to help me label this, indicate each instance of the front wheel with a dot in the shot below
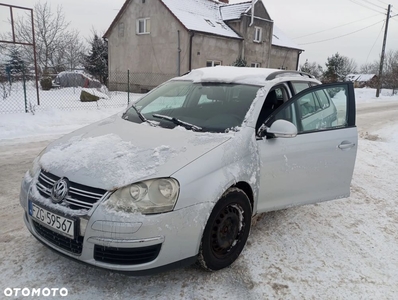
(226, 231)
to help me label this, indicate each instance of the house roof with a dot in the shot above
(209, 16)
(281, 40)
(234, 11)
(202, 16)
(359, 77)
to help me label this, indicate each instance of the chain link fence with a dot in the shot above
(74, 91)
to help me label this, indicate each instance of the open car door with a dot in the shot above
(316, 162)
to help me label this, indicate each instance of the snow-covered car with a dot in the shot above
(177, 178)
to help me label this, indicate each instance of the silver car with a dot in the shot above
(177, 178)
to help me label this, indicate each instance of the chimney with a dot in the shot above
(224, 1)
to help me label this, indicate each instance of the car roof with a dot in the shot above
(242, 75)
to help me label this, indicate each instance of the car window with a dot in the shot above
(215, 107)
(300, 86)
(275, 98)
(319, 110)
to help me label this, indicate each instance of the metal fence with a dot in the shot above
(18, 91)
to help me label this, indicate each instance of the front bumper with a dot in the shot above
(132, 243)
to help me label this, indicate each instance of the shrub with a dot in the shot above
(46, 83)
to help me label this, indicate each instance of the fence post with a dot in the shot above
(24, 91)
(128, 87)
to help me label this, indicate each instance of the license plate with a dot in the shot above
(56, 222)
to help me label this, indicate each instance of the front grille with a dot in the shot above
(79, 196)
(126, 256)
(73, 246)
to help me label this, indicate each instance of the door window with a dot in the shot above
(322, 109)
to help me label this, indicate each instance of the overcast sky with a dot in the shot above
(296, 18)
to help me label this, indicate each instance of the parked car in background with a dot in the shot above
(177, 178)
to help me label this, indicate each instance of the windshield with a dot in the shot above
(212, 107)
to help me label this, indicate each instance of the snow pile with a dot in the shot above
(107, 158)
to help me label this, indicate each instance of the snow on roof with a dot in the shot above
(229, 74)
(359, 77)
(199, 15)
(234, 11)
(281, 40)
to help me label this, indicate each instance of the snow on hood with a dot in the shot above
(114, 153)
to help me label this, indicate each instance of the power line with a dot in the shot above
(367, 1)
(340, 36)
(335, 27)
(381, 30)
(383, 2)
(360, 4)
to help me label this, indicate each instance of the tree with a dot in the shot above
(15, 63)
(338, 67)
(96, 62)
(312, 68)
(240, 62)
(53, 40)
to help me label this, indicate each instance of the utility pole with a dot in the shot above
(383, 51)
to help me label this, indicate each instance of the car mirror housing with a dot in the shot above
(282, 129)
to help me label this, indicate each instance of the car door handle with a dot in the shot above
(346, 145)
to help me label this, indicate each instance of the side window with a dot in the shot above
(300, 86)
(322, 109)
(275, 98)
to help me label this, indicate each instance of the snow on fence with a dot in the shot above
(19, 94)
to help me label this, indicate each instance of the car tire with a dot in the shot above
(226, 231)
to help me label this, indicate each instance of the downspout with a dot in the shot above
(252, 20)
(190, 51)
(298, 59)
(179, 54)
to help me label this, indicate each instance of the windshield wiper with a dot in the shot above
(178, 122)
(142, 117)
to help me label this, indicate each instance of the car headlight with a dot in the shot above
(35, 168)
(147, 197)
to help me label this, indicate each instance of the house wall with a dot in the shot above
(214, 48)
(258, 52)
(283, 58)
(151, 58)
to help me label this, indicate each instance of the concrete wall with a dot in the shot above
(206, 48)
(283, 58)
(154, 53)
(255, 52)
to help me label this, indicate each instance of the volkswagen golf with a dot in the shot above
(178, 176)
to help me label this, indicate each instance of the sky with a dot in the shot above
(297, 19)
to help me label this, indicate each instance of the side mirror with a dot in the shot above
(282, 129)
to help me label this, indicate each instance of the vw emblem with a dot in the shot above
(60, 190)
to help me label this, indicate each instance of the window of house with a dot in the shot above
(258, 31)
(222, 25)
(213, 63)
(255, 65)
(210, 23)
(143, 26)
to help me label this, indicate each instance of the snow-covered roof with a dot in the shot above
(281, 40)
(234, 11)
(241, 75)
(202, 16)
(210, 16)
(359, 77)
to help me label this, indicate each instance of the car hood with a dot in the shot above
(114, 152)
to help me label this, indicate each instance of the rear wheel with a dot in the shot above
(226, 231)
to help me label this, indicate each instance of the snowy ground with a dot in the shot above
(343, 249)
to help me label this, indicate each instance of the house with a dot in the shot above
(363, 80)
(160, 39)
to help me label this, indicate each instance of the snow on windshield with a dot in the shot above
(107, 157)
